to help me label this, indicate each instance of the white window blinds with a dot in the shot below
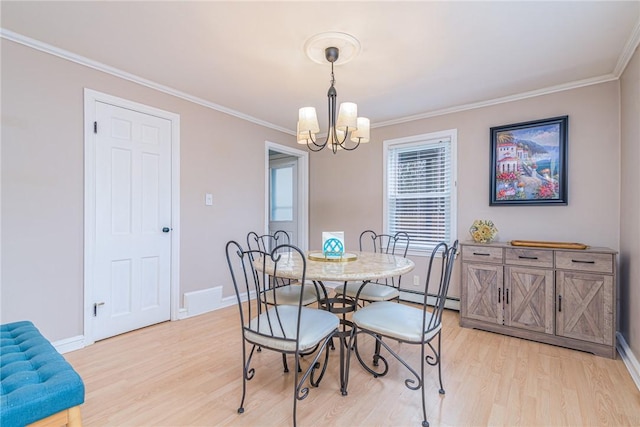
(420, 191)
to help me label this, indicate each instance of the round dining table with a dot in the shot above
(352, 267)
(361, 267)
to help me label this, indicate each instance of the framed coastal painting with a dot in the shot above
(529, 163)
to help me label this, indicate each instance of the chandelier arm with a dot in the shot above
(344, 147)
(312, 144)
(344, 139)
(314, 147)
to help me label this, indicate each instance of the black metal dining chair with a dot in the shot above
(267, 242)
(283, 291)
(383, 289)
(288, 329)
(409, 324)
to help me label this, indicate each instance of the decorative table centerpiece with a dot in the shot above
(332, 248)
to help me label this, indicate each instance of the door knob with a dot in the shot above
(166, 230)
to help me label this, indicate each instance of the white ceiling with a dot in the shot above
(417, 59)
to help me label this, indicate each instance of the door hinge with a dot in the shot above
(95, 127)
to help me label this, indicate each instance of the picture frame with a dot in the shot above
(529, 163)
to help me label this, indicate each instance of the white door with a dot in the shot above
(283, 196)
(132, 264)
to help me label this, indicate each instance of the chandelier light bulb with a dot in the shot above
(347, 116)
(308, 120)
(361, 135)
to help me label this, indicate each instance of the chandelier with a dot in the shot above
(346, 130)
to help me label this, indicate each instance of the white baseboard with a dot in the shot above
(69, 344)
(629, 359)
(229, 301)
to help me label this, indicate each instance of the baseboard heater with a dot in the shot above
(410, 295)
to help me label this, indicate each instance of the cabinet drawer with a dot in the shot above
(584, 261)
(482, 254)
(529, 257)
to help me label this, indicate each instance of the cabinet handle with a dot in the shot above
(480, 254)
(527, 257)
(499, 295)
(582, 262)
(559, 303)
(507, 294)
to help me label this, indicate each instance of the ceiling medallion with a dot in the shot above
(348, 46)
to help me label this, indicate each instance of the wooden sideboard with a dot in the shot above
(557, 296)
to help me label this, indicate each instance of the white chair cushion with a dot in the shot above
(290, 295)
(314, 326)
(398, 321)
(370, 292)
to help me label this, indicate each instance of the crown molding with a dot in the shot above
(624, 59)
(628, 50)
(78, 59)
(496, 101)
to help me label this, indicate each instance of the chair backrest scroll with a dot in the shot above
(447, 255)
(396, 244)
(252, 272)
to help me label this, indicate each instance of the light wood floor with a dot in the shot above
(188, 373)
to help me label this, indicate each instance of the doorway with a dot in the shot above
(131, 216)
(283, 195)
(286, 192)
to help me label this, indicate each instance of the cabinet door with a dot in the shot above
(529, 299)
(482, 292)
(584, 306)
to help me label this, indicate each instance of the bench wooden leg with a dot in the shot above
(75, 418)
(69, 417)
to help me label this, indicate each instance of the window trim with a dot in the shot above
(416, 141)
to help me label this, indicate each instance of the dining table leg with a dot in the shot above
(340, 306)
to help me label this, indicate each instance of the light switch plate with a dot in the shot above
(208, 199)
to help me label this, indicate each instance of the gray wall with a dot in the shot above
(630, 205)
(592, 215)
(42, 186)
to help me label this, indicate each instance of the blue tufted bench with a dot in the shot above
(36, 383)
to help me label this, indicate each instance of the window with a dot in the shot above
(420, 188)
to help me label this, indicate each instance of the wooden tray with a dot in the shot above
(319, 256)
(540, 244)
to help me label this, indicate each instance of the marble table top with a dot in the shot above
(367, 266)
